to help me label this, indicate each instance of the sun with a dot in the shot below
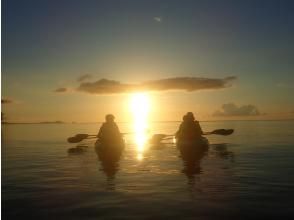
(140, 107)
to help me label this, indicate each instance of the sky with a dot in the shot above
(73, 60)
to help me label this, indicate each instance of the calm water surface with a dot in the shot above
(246, 175)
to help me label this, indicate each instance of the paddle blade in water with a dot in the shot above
(72, 140)
(223, 131)
(156, 138)
(76, 150)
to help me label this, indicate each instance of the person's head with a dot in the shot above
(185, 118)
(190, 116)
(109, 118)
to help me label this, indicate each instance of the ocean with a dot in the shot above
(246, 175)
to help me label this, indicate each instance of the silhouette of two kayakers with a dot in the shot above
(190, 152)
(109, 140)
(189, 129)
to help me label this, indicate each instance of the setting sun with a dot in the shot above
(140, 107)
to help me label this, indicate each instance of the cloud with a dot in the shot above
(62, 89)
(6, 101)
(158, 19)
(84, 77)
(231, 109)
(190, 84)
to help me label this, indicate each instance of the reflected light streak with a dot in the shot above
(140, 106)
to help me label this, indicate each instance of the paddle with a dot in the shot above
(224, 132)
(156, 138)
(79, 137)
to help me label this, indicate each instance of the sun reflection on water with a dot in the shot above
(140, 105)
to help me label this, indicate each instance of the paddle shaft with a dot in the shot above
(225, 132)
(80, 137)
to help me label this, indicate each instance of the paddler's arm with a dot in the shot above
(117, 129)
(99, 135)
(179, 131)
(199, 127)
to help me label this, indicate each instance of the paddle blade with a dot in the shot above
(81, 136)
(156, 138)
(72, 140)
(223, 131)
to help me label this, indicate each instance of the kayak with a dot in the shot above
(192, 152)
(200, 144)
(117, 144)
(109, 154)
(109, 148)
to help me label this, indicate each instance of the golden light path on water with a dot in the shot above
(140, 106)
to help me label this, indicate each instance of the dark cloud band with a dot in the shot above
(105, 86)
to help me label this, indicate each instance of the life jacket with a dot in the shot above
(190, 130)
(109, 131)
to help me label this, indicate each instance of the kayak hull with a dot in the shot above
(200, 144)
(109, 155)
(109, 145)
(192, 152)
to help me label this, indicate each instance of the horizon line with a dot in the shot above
(167, 121)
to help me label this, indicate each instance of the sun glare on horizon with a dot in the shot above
(140, 107)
